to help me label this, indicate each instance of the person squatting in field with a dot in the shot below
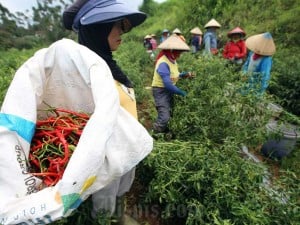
(100, 25)
(235, 49)
(165, 76)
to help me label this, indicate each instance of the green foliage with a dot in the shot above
(149, 7)
(214, 108)
(10, 61)
(18, 31)
(205, 183)
(199, 178)
(47, 18)
(167, 15)
(285, 83)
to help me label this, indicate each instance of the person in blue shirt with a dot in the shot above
(258, 65)
(164, 35)
(210, 37)
(196, 39)
(165, 77)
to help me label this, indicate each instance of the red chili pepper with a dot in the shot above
(82, 115)
(54, 142)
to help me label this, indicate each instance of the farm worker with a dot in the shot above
(165, 76)
(100, 24)
(164, 35)
(148, 46)
(210, 37)
(153, 42)
(147, 43)
(259, 62)
(178, 32)
(196, 39)
(235, 50)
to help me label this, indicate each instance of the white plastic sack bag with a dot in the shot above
(65, 75)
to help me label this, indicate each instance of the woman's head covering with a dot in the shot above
(196, 30)
(95, 37)
(148, 36)
(212, 23)
(165, 31)
(174, 43)
(236, 30)
(176, 31)
(261, 44)
(70, 13)
(86, 12)
(94, 20)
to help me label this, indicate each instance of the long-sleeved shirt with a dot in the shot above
(210, 41)
(235, 50)
(260, 70)
(166, 75)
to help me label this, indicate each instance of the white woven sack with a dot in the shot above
(65, 75)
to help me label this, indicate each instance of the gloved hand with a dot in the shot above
(183, 74)
(182, 93)
(186, 75)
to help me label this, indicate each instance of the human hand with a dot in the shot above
(183, 74)
(191, 75)
(187, 74)
(183, 93)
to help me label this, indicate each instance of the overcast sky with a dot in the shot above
(23, 5)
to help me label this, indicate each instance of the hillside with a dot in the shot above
(280, 18)
(210, 170)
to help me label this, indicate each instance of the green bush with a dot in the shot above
(214, 108)
(10, 61)
(203, 183)
(285, 81)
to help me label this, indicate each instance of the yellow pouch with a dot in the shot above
(127, 99)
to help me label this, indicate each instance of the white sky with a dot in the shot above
(23, 5)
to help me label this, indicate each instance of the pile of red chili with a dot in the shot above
(53, 144)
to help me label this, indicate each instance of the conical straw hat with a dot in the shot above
(196, 30)
(147, 37)
(212, 23)
(236, 30)
(176, 31)
(174, 43)
(261, 44)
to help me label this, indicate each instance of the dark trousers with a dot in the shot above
(163, 103)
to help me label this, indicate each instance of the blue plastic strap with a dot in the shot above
(24, 128)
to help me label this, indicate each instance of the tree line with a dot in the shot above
(44, 26)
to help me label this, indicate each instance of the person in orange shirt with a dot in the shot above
(235, 50)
